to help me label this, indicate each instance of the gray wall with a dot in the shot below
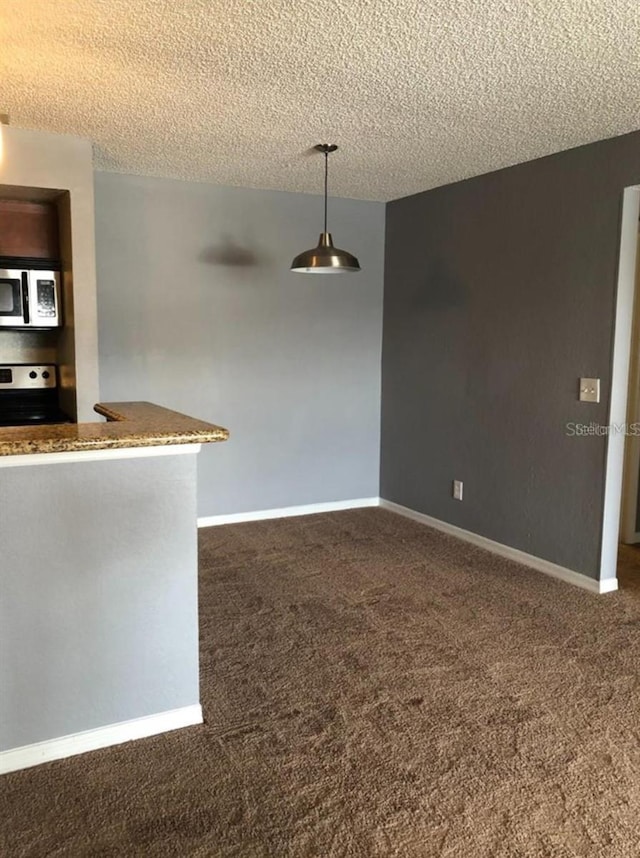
(198, 312)
(98, 615)
(499, 294)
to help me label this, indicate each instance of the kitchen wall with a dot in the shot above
(198, 312)
(59, 165)
(499, 294)
(99, 605)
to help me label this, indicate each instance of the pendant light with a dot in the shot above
(325, 258)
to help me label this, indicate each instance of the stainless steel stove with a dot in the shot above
(29, 395)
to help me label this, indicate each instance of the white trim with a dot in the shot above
(614, 466)
(631, 472)
(102, 737)
(97, 455)
(285, 512)
(607, 585)
(564, 574)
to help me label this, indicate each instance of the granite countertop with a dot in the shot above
(129, 424)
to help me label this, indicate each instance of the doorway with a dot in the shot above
(630, 512)
(625, 374)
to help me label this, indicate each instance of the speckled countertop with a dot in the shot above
(130, 424)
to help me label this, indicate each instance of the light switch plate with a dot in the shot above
(589, 389)
(457, 489)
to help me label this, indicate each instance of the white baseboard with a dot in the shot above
(285, 512)
(568, 575)
(102, 737)
(561, 572)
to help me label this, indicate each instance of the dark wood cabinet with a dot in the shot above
(29, 229)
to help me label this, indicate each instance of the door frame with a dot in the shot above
(629, 532)
(622, 333)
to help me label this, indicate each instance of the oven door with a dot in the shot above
(14, 306)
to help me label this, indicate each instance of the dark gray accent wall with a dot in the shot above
(499, 295)
(198, 311)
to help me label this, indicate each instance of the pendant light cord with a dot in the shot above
(326, 186)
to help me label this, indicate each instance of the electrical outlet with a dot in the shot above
(457, 489)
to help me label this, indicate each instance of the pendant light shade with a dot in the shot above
(325, 258)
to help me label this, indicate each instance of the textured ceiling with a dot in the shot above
(416, 93)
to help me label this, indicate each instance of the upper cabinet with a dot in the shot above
(29, 229)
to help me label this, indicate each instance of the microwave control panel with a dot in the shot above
(46, 298)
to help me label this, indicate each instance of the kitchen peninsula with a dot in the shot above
(130, 424)
(98, 581)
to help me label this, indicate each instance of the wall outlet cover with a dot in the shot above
(457, 489)
(589, 390)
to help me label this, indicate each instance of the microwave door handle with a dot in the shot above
(25, 297)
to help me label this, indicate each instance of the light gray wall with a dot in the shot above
(98, 594)
(198, 312)
(499, 295)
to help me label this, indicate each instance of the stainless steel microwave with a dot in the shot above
(30, 298)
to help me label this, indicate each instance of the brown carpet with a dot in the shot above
(371, 688)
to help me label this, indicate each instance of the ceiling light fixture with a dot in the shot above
(325, 258)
